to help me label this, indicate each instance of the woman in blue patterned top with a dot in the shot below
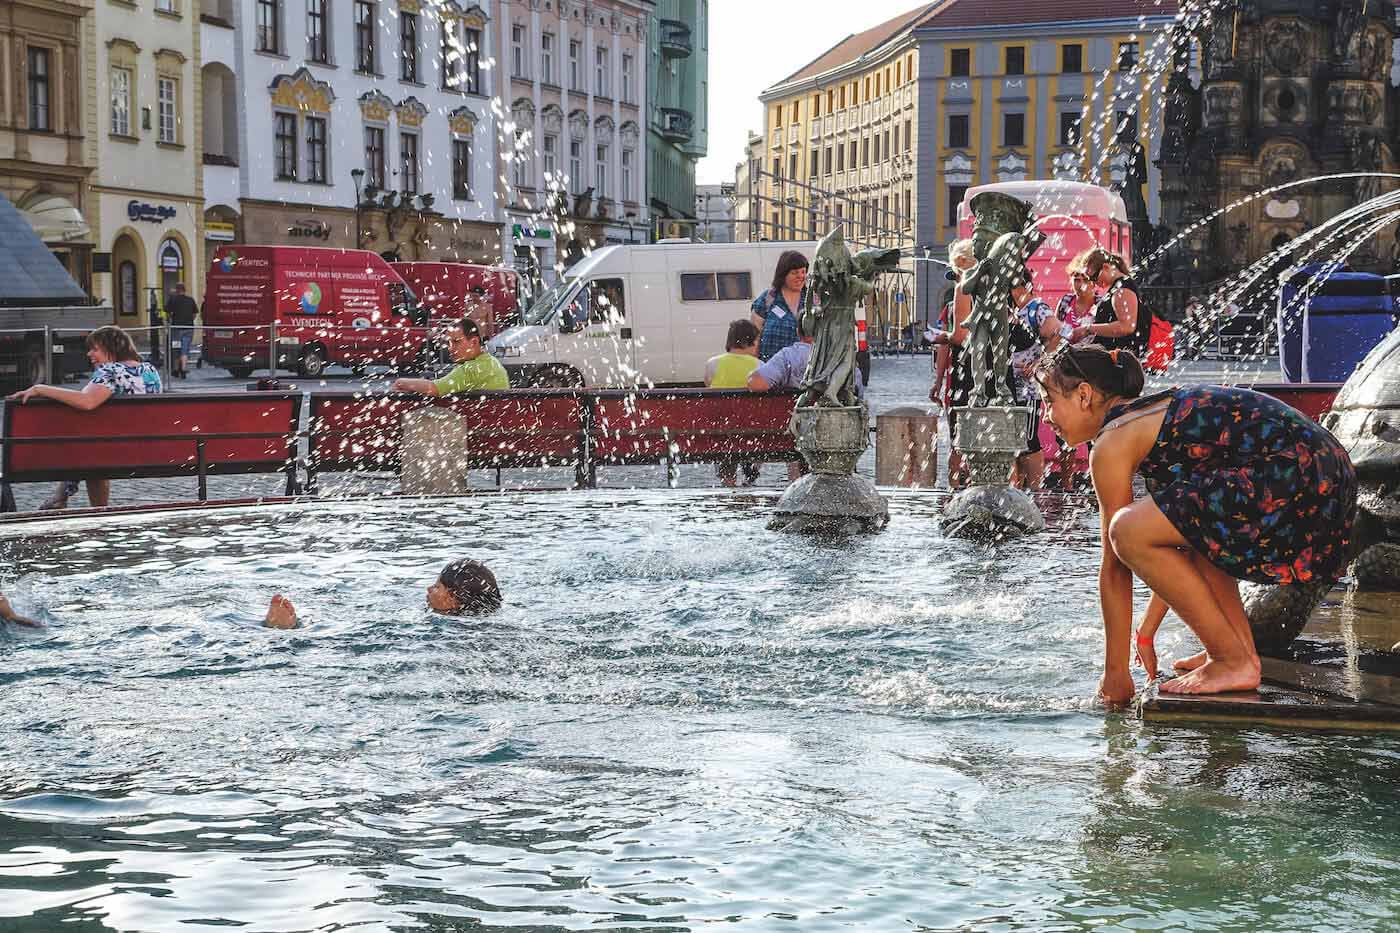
(775, 312)
(117, 369)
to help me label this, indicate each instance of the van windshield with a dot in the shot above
(543, 308)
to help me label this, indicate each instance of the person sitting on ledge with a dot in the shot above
(476, 369)
(784, 372)
(117, 369)
(1239, 487)
(9, 615)
(465, 587)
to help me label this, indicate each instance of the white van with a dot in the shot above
(641, 314)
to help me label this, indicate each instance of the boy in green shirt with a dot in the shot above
(730, 370)
(476, 369)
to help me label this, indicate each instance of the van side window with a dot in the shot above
(607, 301)
(398, 299)
(698, 286)
(735, 286)
(716, 286)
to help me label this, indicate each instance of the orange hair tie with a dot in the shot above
(1113, 355)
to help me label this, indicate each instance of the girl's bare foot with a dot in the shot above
(281, 613)
(1216, 676)
(1187, 665)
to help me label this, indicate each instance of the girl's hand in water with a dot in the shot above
(1146, 654)
(1116, 688)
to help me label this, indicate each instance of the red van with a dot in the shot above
(343, 306)
(493, 296)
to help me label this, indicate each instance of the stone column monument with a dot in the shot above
(830, 422)
(992, 430)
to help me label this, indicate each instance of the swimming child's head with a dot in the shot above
(465, 586)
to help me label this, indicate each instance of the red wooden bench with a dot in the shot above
(673, 426)
(145, 436)
(559, 427)
(509, 428)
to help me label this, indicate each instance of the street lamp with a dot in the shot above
(357, 174)
(629, 219)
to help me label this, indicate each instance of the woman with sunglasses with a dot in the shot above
(1240, 487)
(1120, 323)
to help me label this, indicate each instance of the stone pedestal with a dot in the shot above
(433, 454)
(990, 509)
(906, 447)
(832, 500)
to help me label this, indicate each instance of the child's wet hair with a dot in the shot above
(472, 584)
(1112, 372)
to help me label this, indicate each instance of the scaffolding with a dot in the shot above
(782, 208)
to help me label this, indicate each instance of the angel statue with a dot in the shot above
(1001, 268)
(839, 281)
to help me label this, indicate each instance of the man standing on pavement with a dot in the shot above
(181, 311)
(476, 369)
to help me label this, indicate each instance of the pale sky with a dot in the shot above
(756, 43)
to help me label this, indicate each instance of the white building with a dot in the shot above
(574, 160)
(307, 100)
(714, 213)
(147, 203)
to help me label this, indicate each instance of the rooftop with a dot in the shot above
(972, 13)
(943, 14)
(854, 46)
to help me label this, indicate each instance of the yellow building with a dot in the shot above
(888, 129)
(841, 140)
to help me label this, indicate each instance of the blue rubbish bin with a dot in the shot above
(1323, 338)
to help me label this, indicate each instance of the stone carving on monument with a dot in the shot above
(1375, 55)
(1315, 75)
(1346, 36)
(1285, 45)
(1219, 41)
(1282, 162)
(1366, 156)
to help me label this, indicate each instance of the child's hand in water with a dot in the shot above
(1146, 653)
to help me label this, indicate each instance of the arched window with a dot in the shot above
(172, 264)
(126, 288)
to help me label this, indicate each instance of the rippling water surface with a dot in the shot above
(677, 720)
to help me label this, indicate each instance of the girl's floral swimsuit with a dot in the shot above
(1262, 491)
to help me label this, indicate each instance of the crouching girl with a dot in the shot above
(1240, 487)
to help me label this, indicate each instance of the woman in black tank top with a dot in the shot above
(1119, 323)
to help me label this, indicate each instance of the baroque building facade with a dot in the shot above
(1267, 95)
(887, 130)
(573, 174)
(148, 185)
(354, 122)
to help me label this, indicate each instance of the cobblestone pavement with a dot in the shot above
(895, 381)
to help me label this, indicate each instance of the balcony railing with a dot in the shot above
(677, 125)
(674, 38)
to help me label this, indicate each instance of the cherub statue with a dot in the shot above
(990, 283)
(840, 282)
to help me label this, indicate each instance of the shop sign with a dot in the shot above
(309, 230)
(219, 231)
(151, 213)
(527, 232)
